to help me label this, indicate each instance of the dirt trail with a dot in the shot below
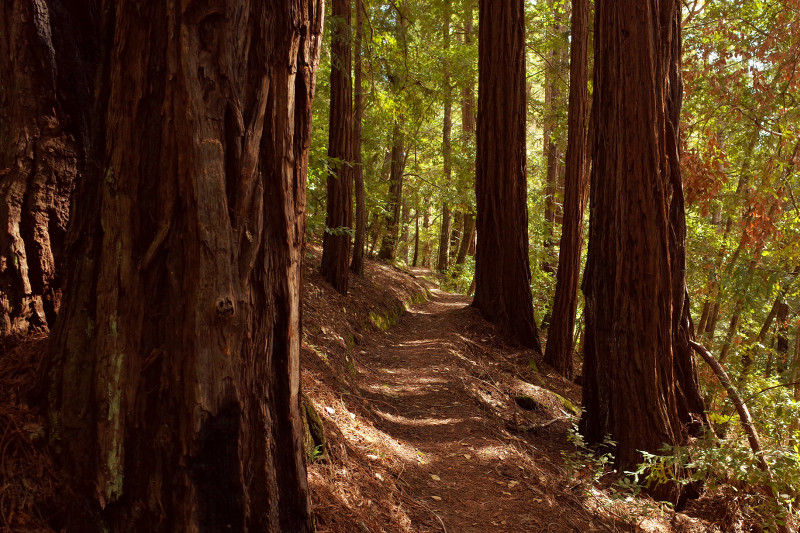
(464, 470)
(439, 424)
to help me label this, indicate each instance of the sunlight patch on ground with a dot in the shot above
(397, 419)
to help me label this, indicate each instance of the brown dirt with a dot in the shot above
(425, 433)
(423, 426)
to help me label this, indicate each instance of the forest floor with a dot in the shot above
(433, 421)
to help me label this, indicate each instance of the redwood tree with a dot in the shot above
(443, 259)
(38, 165)
(339, 215)
(640, 381)
(175, 372)
(357, 262)
(502, 268)
(558, 353)
(395, 196)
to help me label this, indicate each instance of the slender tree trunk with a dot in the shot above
(405, 238)
(554, 73)
(339, 215)
(640, 381)
(426, 224)
(174, 382)
(447, 149)
(502, 268)
(41, 148)
(468, 89)
(395, 198)
(560, 335)
(456, 231)
(416, 237)
(708, 326)
(467, 238)
(796, 366)
(782, 336)
(357, 263)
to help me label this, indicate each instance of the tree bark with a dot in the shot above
(558, 353)
(339, 215)
(640, 379)
(38, 165)
(447, 148)
(552, 147)
(357, 263)
(467, 238)
(395, 198)
(502, 268)
(174, 381)
(405, 238)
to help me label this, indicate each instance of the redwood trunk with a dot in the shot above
(447, 128)
(357, 263)
(502, 268)
(640, 384)
(560, 335)
(175, 374)
(554, 73)
(395, 198)
(466, 239)
(339, 215)
(38, 166)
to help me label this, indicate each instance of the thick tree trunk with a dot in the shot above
(357, 263)
(640, 383)
(558, 353)
(339, 218)
(502, 268)
(175, 373)
(395, 198)
(38, 165)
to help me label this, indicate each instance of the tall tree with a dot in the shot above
(558, 353)
(640, 382)
(339, 213)
(502, 268)
(38, 165)
(175, 371)
(554, 74)
(357, 263)
(447, 148)
(395, 198)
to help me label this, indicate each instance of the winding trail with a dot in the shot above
(466, 474)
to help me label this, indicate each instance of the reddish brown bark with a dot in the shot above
(174, 384)
(555, 68)
(336, 242)
(357, 263)
(395, 197)
(466, 239)
(640, 383)
(558, 353)
(502, 268)
(38, 166)
(443, 259)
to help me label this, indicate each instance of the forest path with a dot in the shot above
(433, 396)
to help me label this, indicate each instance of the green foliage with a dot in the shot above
(458, 278)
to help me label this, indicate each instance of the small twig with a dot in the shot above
(420, 504)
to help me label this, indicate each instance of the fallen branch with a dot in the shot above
(741, 407)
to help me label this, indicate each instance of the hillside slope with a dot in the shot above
(438, 423)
